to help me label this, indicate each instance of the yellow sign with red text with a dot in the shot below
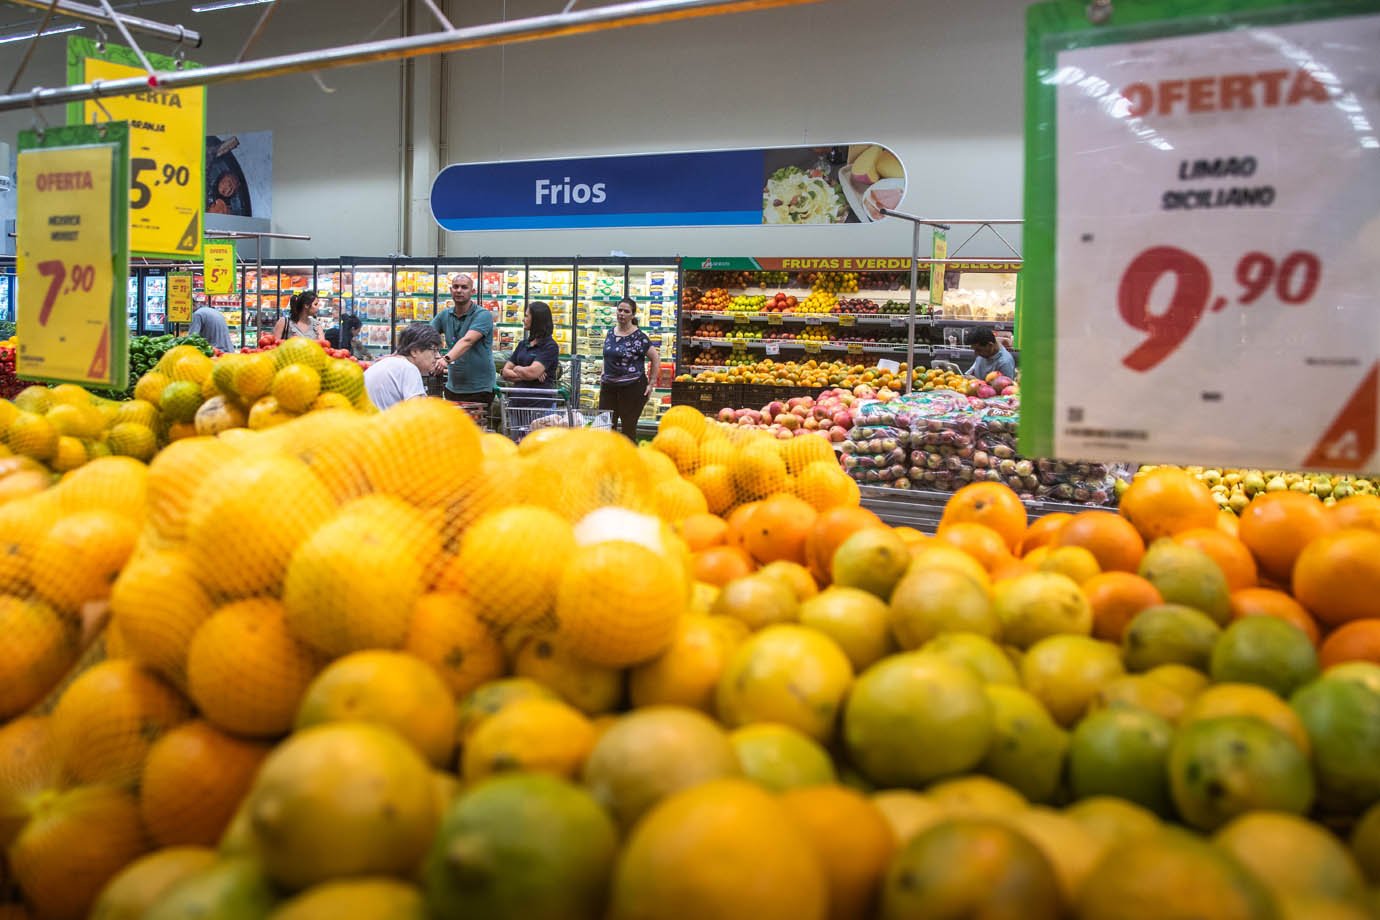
(167, 161)
(65, 279)
(218, 263)
(180, 298)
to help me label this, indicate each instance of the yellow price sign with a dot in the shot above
(847, 319)
(811, 347)
(218, 268)
(855, 348)
(70, 251)
(941, 251)
(167, 150)
(775, 319)
(180, 298)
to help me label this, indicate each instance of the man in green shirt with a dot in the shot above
(468, 330)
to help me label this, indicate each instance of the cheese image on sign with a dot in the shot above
(1217, 286)
(167, 137)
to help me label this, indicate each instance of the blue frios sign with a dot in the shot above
(783, 185)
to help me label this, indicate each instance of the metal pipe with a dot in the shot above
(638, 12)
(258, 30)
(74, 10)
(129, 39)
(436, 11)
(914, 288)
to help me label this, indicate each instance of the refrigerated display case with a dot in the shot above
(553, 283)
(368, 291)
(155, 300)
(7, 293)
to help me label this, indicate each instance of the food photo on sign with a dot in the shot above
(239, 175)
(830, 185)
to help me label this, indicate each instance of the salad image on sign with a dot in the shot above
(832, 185)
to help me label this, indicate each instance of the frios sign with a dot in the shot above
(1202, 277)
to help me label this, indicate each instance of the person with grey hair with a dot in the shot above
(398, 377)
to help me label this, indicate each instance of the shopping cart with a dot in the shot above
(523, 411)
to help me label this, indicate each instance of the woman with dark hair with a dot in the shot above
(398, 377)
(631, 362)
(301, 318)
(535, 361)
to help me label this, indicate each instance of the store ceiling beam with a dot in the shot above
(576, 22)
(73, 10)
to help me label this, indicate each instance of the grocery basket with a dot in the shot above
(524, 410)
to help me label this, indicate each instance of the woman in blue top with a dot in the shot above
(534, 364)
(631, 362)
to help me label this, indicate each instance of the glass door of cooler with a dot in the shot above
(326, 283)
(655, 286)
(132, 301)
(155, 300)
(500, 288)
(554, 283)
(600, 284)
(262, 303)
(367, 292)
(416, 281)
(294, 278)
(7, 295)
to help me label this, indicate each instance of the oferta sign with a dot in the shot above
(167, 134)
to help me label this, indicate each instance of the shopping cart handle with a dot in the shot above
(528, 391)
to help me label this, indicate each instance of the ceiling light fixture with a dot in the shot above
(226, 5)
(6, 39)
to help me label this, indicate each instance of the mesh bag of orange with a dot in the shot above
(172, 629)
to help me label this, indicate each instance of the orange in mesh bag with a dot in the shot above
(266, 554)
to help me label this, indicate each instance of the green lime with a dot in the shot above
(1188, 576)
(1028, 747)
(780, 758)
(1172, 873)
(1266, 651)
(914, 718)
(1342, 718)
(970, 868)
(521, 845)
(1123, 752)
(1221, 768)
(235, 889)
(1169, 634)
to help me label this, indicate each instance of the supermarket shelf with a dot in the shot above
(922, 509)
(761, 344)
(860, 319)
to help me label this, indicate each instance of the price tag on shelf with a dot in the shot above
(813, 321)
(1219, 305)
(855, 348)
(180, 298)
(72, 261)
(740, 319)
(167, 147)
(847, 319)
(773, 348)
(811, 348)
(897, 322)
(738, 346)
(775, 319)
